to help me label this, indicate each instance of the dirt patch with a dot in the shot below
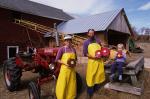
(22, 93)
(111, 94)
(146, 47)
(102, 93)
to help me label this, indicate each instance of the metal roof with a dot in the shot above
(98, 22)
(34, 8)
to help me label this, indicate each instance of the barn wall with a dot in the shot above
(10, 15)
(102, 36)
(12, 34)
(3, 48)
(40, 20)
(120, 24)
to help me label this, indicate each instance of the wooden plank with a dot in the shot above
(133, 79)
(35, 26)
(127, 72)
(83, 38)
(138, 62)
(124, 87)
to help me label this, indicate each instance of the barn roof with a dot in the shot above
(98, 22)
(34, 8)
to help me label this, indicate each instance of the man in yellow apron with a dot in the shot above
(66, 83)
(95, 69)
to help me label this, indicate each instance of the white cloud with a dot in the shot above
(145, 6)
(72, 6)
(79, 6)
(103, 6)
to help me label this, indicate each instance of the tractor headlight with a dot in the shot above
(51, 66)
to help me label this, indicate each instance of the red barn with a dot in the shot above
(23, 23)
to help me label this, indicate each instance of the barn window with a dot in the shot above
(11, 51)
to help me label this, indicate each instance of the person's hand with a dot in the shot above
(96, 57)
(59, 61)
(106, 62)
(65, 64)
(93, 57)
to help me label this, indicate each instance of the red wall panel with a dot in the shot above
(12, 34)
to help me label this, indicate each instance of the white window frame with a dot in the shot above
(8, 47)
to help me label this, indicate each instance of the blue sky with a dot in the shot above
(138, 11)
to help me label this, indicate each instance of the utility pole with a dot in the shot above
(56, 35)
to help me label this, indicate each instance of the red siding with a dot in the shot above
(40, 20)
(12, 34)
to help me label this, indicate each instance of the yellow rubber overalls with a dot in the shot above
(95, 69)
(66, 83)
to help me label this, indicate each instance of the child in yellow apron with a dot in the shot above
(66, 83)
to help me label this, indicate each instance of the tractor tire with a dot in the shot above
(79, 83)
(12, 74)
(34, 91)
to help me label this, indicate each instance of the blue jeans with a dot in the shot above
(119, 66)
(90, 90)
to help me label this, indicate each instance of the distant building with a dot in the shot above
(145, 31)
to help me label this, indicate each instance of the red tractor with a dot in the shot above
(41, 61)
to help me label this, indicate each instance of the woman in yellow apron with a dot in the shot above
(95, 69)
(66, 83)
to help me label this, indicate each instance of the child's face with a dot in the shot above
(120, 49)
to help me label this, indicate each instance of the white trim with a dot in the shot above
(17, 50)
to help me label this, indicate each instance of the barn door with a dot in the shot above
(11, 51)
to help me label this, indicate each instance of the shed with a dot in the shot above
(111, 27)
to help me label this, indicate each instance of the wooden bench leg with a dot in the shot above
(133, 79)
(142, 68)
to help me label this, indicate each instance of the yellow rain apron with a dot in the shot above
(95, 69)
(112, 54)
(66, 83)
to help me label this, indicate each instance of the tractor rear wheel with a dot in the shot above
(12, 74)
(34, 91)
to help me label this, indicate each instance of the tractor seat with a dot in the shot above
(25, 55)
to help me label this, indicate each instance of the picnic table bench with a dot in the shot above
(131, 69)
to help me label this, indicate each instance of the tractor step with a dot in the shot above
(124, 87)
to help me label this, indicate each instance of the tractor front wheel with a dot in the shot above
(12, 74)
(34, 91)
